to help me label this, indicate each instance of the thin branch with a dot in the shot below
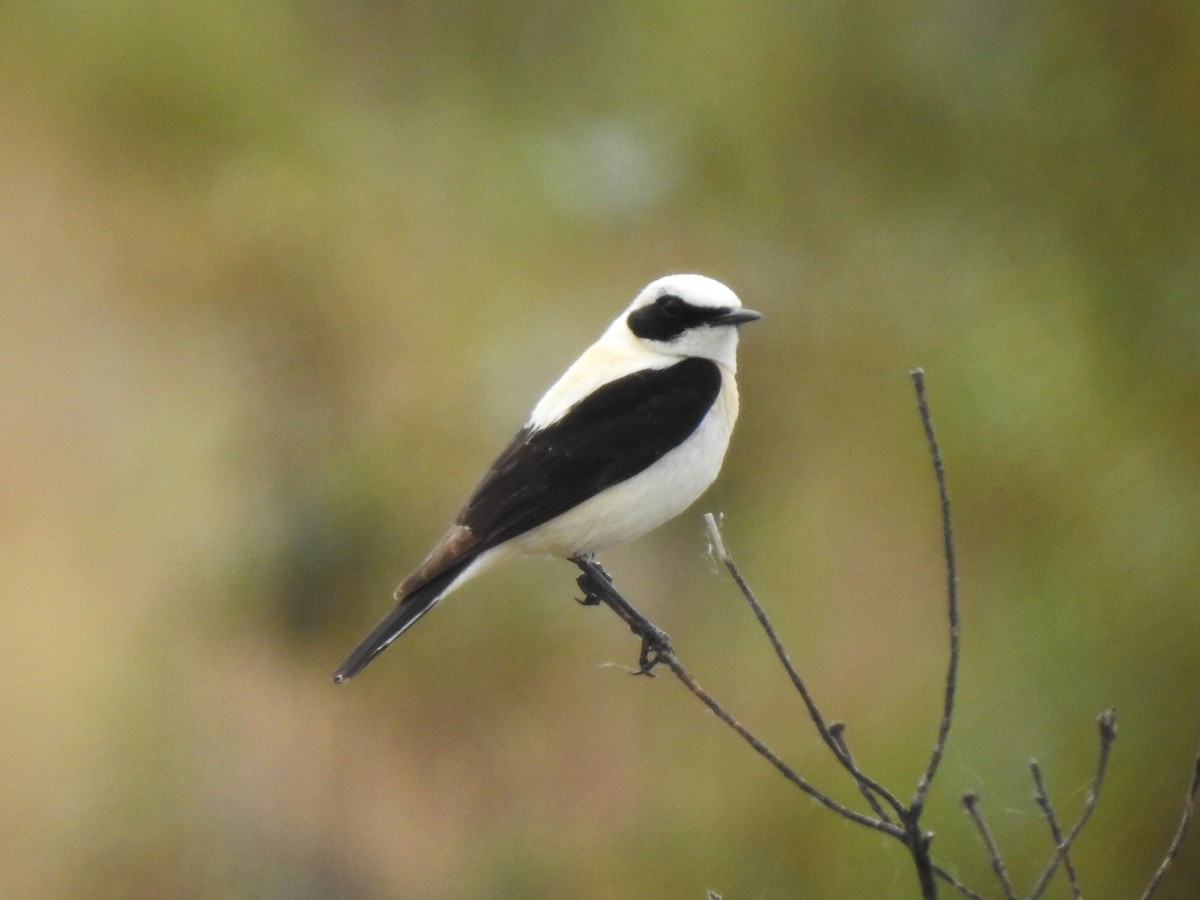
(913, 836)
(657, 650)
(956, 884)
(1107, 722)
(598, 587)
(939, 747)
(1189, 808)
(865, 783)
(690, 683)
(838, 731)
(970, 802)
(917, 841)
(1043, 802)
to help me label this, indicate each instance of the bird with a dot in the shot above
(628, 438)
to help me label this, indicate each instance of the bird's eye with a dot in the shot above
(671, 306)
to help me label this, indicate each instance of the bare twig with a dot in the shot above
(956, 884)
(1189, 808)
(656, 650)
(865, 783)
(939, 747)
(1107, 722)
(598, 587)
(1043, 802)
(970, 802)
(913, 836)
(838, 731)
(690, 683)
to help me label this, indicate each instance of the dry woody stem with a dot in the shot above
(888, 814)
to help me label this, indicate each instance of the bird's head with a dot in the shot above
(687, 315)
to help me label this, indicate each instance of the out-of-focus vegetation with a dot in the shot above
(278, 280)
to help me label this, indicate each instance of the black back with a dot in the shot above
(611, 435)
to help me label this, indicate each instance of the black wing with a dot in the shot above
(609, 436)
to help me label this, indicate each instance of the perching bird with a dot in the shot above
(631, 434)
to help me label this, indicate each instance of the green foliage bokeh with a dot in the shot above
(280, 277)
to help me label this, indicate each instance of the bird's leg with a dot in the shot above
(597, 586)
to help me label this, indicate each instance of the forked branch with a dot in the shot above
(1107, 722)
(598, 587)
(889, 815)
(902, 821)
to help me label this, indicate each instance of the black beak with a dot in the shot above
(735, 317)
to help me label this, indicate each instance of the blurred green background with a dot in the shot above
(279, 278)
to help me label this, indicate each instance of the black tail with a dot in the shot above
(407, 611)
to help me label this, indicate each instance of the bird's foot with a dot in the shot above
(595, 582)
(590, 597)
(597, 586)
(656, 649)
